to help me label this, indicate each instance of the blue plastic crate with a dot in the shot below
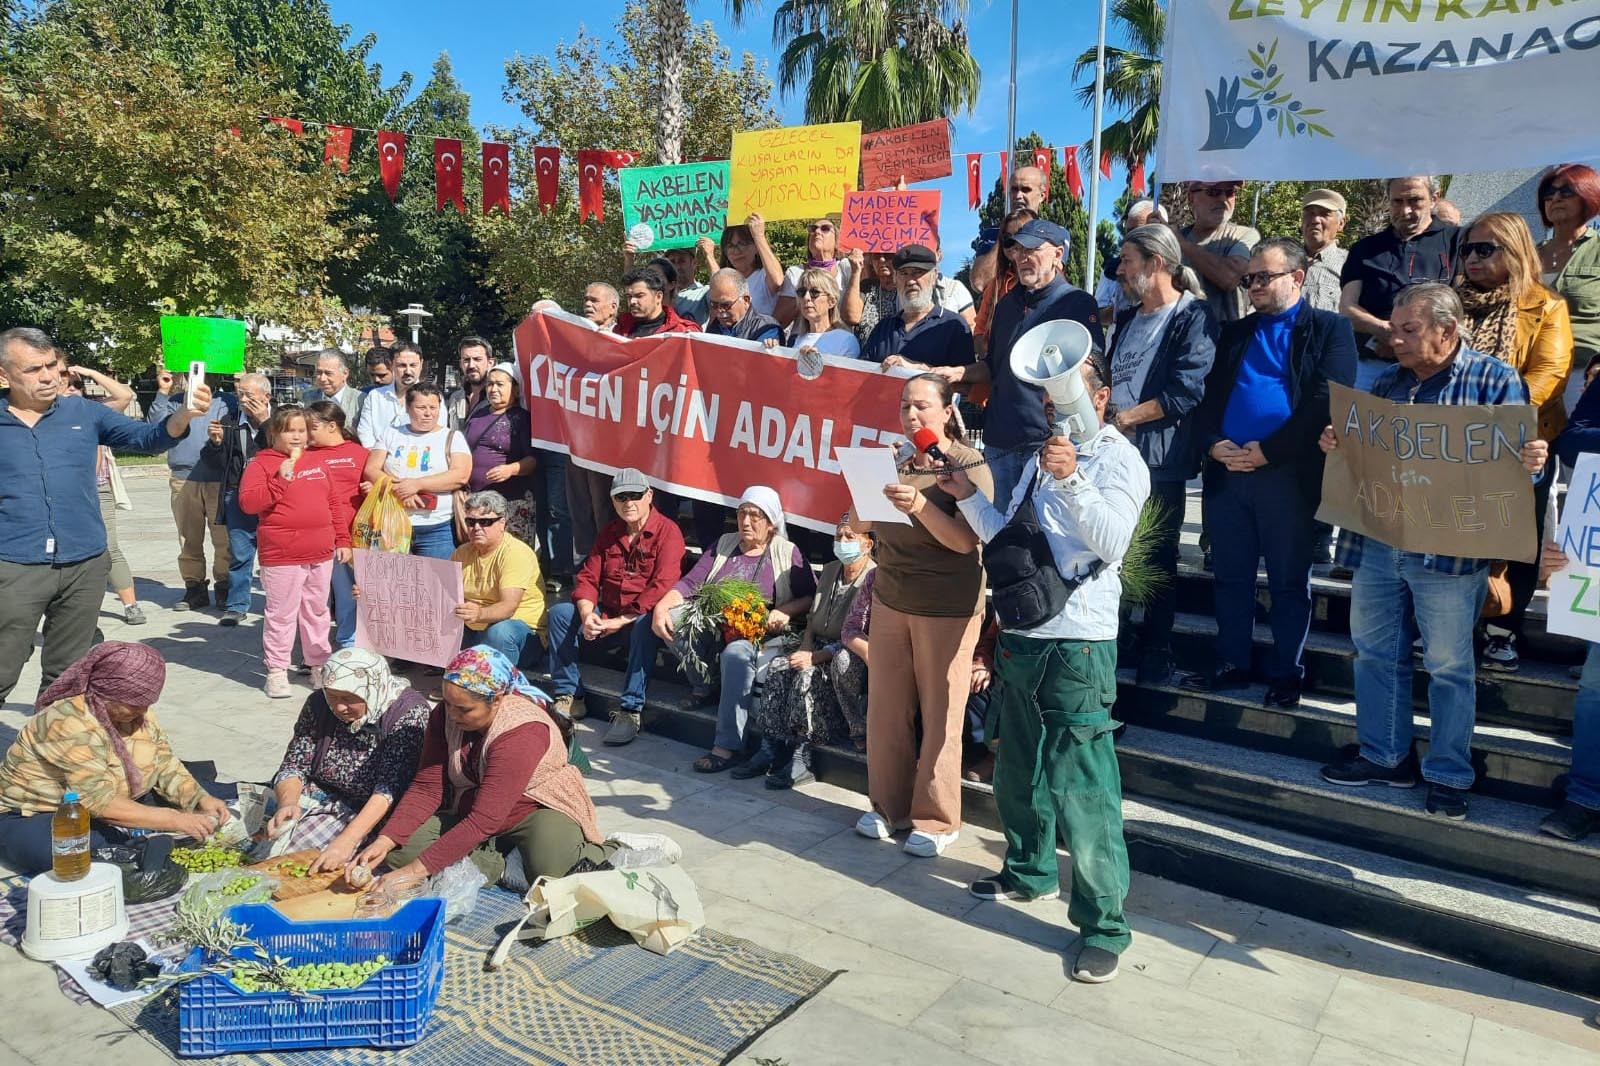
(390, 1009)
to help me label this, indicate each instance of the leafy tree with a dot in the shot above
(594, 94)
(1132, 80)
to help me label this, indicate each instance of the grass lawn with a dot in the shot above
(140, 460)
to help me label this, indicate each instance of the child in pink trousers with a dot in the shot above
(305, 526)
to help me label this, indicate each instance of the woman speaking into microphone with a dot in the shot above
(927, 609)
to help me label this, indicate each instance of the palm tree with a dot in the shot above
(671, 18)
(1132, 80)
(884, 63)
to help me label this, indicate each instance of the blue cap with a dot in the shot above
(1037, 231)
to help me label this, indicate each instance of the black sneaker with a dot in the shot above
(1095, 966)
(1224, 678)
(997, 888)
(1570, 822)
(1285, 694)
(1447, 802)
(1363, 771)
(758, 764)
(230, 618)
(1500, 654)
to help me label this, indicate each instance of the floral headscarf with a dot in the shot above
(365, 676)
(114, 671)
(485, 672)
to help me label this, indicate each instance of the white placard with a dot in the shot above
(1575, 589)
(867, 471)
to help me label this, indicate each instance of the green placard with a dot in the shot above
(217, 342)
(673, 207)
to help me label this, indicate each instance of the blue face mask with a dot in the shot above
(847, 551)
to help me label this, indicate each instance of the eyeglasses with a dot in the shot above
(1221, 192)
(821, 227)
(628, 497)
(813, 293)
(1261, 277)
(1480, 249)
(481, 523)
(1560, 192)
(724, 305)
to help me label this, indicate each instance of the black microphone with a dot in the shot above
(927, 442)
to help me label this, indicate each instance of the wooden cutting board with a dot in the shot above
(295, 887)
(330, 903)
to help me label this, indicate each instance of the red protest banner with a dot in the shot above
(915, 153)
(702, 416)
(889, 220)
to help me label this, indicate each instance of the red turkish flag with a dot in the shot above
(1041, 159)
(1105, 164)
(337, 146)
(618, 160)
(547, 169)
(496, 177)
(1136, 178)
(591, 184)
(1074, 175)
(1005, 167)
(293, 125)
(391, 160)
(974, 179)
(447, 174)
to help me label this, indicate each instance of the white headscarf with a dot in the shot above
(365, 676)
(767, 499)
(510, 371)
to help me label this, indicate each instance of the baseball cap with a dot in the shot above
(1037, 231)
(628, 480)
(915, 255)
(1324, 198)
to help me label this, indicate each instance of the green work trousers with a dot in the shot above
(1051, 715)
(551, 845)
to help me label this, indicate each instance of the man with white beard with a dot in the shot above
(923, 333)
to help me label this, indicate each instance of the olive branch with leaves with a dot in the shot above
(1292, 116)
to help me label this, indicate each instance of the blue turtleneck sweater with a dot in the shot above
(1259, 403)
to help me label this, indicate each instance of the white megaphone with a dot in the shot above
(1051, 355)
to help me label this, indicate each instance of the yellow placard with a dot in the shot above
(793, 172)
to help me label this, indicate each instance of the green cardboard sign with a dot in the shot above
(217, 342)
(673, 207)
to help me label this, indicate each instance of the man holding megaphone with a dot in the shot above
(1054, 560)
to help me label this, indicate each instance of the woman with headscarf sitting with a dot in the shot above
(759, 553)
(494, 779)
(354, 752)
(94, 734)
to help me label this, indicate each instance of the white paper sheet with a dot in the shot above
(867, 471)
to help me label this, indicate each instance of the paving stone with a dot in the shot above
(1422, 1032)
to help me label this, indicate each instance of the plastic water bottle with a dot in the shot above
(69, 840)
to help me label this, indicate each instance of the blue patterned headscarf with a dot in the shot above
(485, 672)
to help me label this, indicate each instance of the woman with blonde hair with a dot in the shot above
(818, 327)
(1514, 318)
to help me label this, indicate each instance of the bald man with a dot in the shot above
(1027, 190)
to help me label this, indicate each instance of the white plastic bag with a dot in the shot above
(458, 885)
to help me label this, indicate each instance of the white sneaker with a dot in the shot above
(316, 677)
(927, 845)
(644, 849)
(874, 826)
(277, 686)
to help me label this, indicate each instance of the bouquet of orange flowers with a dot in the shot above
(729, 608)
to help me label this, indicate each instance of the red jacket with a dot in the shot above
(344, 463)
(631, 579)
(627, 326)
(302, 519)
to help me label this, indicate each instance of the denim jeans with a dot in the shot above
(241, 550)
(507, 637)
(1392, 598)
(1006, 470)
(741, 665)
(435, 542)
(1264, 513)
(566, 640)
(1583, 784)
(344, 605)
(554, 515)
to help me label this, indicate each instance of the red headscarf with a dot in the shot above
(118, 672)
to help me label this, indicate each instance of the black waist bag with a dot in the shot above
(1027, 588)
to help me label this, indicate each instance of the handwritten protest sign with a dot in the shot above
(888, 221)
(1445, 479)
(407, 604)
(1575, 589)
(673, 207)
(915, 153)
(793, 172)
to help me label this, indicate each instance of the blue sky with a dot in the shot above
(481, 34)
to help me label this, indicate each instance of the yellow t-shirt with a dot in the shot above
(512, 565)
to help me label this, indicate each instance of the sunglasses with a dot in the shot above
(628, 497)
(1480, 249)
(1560, 192)
(1261, 277)
(481, 523)
(821, 227)
(813, 293)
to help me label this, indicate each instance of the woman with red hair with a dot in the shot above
(1569, 261)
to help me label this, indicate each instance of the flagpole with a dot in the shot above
(1011, 114)
(1094, 162)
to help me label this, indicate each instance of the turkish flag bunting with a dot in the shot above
(1105, 164)
(337, 146)
(1041, 159)
(1074, 175)
(1005, 167)
(447, 174)
(591, 184)
(547, 169)
(293, 125)
(618, 160)
(1136, 178)
(496, 177)
(974, 179)
(391, 160)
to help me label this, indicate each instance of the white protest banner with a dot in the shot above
(407, 606)
(1283, 89)
(1575, 588)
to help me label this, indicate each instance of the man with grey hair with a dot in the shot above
(1398, 594)
(1108, 295)
(502, 589)
(731, 312)
(1217, 248)
(1321, 221)
(231, 443)
(53, 562)
(600, 305)
(924, 331)
(332, 377)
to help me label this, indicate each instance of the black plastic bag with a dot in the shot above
(148, 872)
